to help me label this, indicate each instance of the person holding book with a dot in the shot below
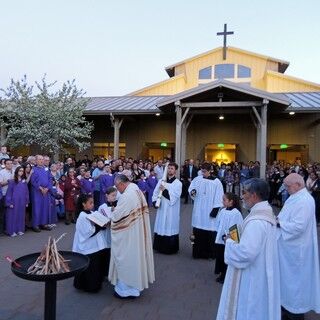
(107, 209)
(251, 289)
(90, 239)
(228, 217)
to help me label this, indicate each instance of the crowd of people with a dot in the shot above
(268, 268)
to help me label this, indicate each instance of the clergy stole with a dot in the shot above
(231, 302)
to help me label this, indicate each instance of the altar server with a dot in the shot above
(166, 227)
(90, 239)
(106, 181)
(107, 210)
(151, 182)
(298, 251)
(228, 216)
(207, 193)
(87, 184)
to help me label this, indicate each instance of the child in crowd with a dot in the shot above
(90, 239)
(87, 184)
(228, 216)
(106, 209)
(142, 184)
(16, 200)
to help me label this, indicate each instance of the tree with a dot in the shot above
(50, 119)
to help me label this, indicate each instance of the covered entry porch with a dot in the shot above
(224, 98)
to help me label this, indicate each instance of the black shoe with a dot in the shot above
(46, 227)
(36, 229)
(123, 298)
(74, 221)
(67, 222)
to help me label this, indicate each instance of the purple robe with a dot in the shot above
(106, 181)
(152, 182)
(87, 186)
(18, 196)
(40, 203)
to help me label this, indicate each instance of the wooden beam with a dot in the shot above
(257, 115)
(224, 104)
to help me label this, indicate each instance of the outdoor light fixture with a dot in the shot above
(221, 117)
(157, 114)
(291, 113)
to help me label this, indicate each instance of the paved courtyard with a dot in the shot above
(184, 288)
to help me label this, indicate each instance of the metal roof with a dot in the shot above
(304, 101)
(297, 101)
(123, 105)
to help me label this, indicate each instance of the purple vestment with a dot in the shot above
(40, 203)
(151, 182)
(18, 196)
(106, 181)
(87, 186)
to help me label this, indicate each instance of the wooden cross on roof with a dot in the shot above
(225, 33)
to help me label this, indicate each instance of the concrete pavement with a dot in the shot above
(184, 288)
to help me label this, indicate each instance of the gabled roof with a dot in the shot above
(123, 105)
(238, 87)
(283, 65)
(126, 105)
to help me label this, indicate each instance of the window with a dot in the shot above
(205, 73)
(222, 71)
(244, 72)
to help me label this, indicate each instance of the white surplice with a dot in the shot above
(251, 288)
(298, 254)
(83, 241)
(168, 214)
(209, 194)
(225, 220)
(131, 261)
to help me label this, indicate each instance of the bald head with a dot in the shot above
(294, 183)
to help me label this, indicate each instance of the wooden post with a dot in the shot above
(184, 129)
(116, 123)
(178, 135)
(263, 139)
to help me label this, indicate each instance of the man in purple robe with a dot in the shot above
(106, 181)
(40, 196)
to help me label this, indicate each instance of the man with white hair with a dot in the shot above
(131, 262)
(251, 289)
(298, 251)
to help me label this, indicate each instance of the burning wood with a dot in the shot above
(50, 261)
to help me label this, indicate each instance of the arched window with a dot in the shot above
(222, 71)
(243, 71)
(205, 73)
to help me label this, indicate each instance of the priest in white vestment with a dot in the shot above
(298, 251)
(131, 264)
(207, 193)
(166, 226)
(251, 289)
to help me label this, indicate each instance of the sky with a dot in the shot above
(115, 47)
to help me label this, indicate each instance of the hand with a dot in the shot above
(162, 188)
(27, 205)
(11, 206)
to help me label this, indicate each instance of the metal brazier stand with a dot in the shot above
(78, 263)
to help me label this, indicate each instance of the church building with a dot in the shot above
(226, 104)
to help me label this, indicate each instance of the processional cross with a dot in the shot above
(225, 33)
